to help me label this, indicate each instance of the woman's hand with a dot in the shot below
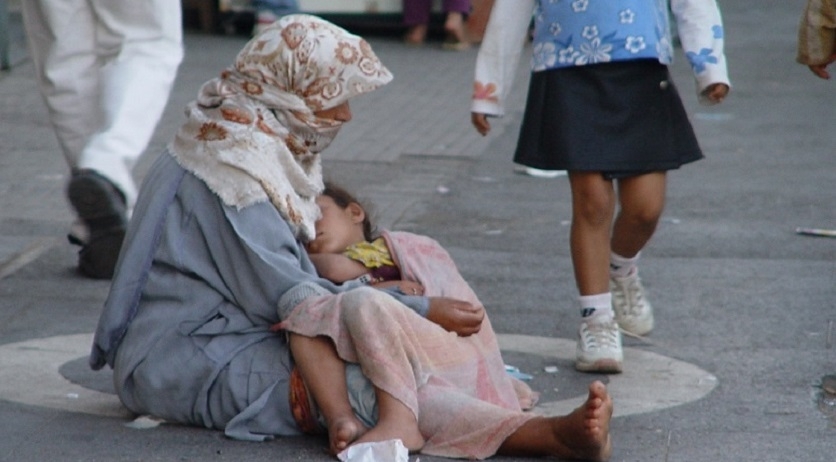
(457, 316)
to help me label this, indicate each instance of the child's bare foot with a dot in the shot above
(343, 431)
(585, 432)
(395, 421)
(407, 433)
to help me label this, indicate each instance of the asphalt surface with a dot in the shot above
(744, 304)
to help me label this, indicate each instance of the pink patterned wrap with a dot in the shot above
(465, 402)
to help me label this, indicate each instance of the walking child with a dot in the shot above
(601, 105)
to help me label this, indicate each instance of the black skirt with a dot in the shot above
(622, 119)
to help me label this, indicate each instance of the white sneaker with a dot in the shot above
(632, 310)
(599, 346)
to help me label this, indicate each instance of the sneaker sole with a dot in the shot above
(607, 366)
(538, 173)
(639, 332)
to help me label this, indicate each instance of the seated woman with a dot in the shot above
(214, 256)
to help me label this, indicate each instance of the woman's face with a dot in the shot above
(338, 228)
(341, 113)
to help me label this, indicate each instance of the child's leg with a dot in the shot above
(583, 434)
(395, 421)
(599, 340)
(593, 205)
(324, 375)
(642, 199)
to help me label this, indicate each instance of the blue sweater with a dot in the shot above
(581, 32)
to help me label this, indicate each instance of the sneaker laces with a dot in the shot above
(595, 335)
(629, 299)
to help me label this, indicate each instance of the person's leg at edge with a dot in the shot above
(396, 421)
(416, 17)
(582, 434)
(324, 375)
(67, 70)
(593, 205)
(454, 24)
(141, 46)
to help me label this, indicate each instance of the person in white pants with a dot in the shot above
(105, 70)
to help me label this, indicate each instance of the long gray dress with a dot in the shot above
(186, 324)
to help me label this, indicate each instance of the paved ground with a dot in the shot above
(745, 306)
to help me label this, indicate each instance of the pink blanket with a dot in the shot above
(465, 402)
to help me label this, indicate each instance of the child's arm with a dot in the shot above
(817, 36)
(701, 31)
(499, 54)
(337, 268)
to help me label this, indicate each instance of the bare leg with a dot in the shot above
(324, 374)
(396, 421)
(642, 200)
(593, 205)
(583, 434)
(454, 27)
(416, 34)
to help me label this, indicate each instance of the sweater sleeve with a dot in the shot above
(499, 55)
(817, 32)
(700, 27)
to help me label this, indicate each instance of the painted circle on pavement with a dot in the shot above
(649, 382)
(29, 375)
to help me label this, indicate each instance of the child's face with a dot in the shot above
(338, 228)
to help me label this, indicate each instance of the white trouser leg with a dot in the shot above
(140, 44)
(62, 42)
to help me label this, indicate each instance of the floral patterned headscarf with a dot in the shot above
(252, 135)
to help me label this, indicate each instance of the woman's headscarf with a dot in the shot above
(252, 136)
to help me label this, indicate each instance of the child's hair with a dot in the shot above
(343, 198)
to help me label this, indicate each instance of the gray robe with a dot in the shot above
(197, 287)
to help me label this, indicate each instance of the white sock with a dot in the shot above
(596, 306)
(622, 267)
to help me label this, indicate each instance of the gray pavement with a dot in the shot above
(745, 306)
